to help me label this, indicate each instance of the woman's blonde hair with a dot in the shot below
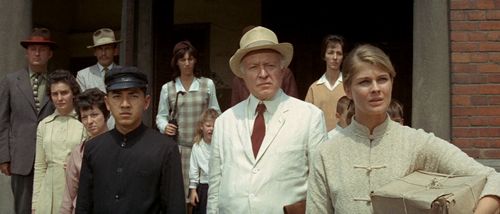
(207, 115)
(365, 54)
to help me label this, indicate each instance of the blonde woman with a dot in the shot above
(374, 150)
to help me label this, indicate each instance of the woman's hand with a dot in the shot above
(171, 129)
(193, 197)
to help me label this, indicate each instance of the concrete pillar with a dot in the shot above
(431, 67)
(16, 26)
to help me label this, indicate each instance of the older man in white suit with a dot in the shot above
(260, 158)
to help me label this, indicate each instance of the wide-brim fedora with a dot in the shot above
(103, 36)
(259, 38)
(39, 36)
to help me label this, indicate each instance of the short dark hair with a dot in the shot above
(89, 98)
(64, 76)
(331, 39)
(180, 49)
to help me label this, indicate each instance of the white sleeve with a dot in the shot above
(163, 109)
(213, 103)
(81, 80)
(194, 172)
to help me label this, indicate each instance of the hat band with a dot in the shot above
(103, 41)
(259, 43)
(38, 39)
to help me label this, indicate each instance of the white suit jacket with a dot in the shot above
(240, 183)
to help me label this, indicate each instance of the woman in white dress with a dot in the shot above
(56, 137)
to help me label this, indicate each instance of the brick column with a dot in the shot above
(475, 76)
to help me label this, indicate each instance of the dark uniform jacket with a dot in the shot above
(139, 172)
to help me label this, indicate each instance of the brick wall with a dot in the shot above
(475, 76)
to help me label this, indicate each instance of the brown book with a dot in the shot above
(295, 208)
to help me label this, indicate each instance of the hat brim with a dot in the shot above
(104, 43)
(126, 85)
(285, 49)
(27, 43)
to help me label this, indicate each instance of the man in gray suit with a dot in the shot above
(24, 103)
(105, 49)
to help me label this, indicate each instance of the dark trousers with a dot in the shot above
(22, 188)
(201, 207)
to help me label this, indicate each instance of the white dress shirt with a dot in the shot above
(323, 80)
(198, 168)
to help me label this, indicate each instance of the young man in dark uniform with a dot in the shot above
(132, 168)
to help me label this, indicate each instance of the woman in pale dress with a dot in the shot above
(92, 112)
(56, 136)
(374, 150)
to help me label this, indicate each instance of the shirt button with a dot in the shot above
(255, 171)
(119, 170)
(117, 197)
(123, 145)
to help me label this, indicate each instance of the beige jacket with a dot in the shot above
(56, 137)
(353, 163)
(326, 100)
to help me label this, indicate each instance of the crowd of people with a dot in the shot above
(78, 144)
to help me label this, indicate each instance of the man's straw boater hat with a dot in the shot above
(259, 38)
(39, 36)
(104, 36)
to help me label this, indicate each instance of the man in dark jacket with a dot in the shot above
(132, 168)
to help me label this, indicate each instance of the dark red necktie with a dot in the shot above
(259, 129)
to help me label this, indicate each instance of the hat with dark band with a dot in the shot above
(39, 36)
(259, 38)
(103, 36)
(125, 77)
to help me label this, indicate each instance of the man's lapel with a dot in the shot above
(24, 85)
(245, 134)
(275, 125)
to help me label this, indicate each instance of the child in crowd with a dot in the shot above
(395, 111)
(345, 111)
(200, 156)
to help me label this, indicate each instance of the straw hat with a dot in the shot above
(40, 36)
(104, 36)
(259, 38)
